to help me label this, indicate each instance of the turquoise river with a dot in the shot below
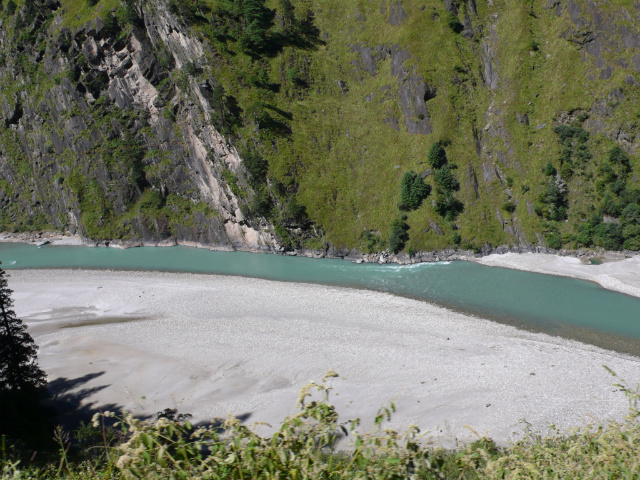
(560, 306)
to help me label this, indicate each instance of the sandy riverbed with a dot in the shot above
(618, 275)
(214, 345)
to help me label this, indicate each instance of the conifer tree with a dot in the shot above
(413, 191)
(19, 369)
(437, 156)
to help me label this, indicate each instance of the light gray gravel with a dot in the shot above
(215, 345)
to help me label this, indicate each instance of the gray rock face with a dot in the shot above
(413, 91)
(489, 173)
(468, 31)
(11, 114)
(397, 15)
(367, 61)
(471, 5)
(115, 99)
(489, 58)
(433, 225)
(452, 6)
(398, 57)
(472, 180)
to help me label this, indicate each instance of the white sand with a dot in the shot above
(620, 275)
(214, 345)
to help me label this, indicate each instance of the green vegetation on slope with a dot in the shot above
(331, 104)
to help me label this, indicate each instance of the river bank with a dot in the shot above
(617, 274)
(612, 270)
(216, 345)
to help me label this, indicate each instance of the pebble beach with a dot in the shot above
(216, 345)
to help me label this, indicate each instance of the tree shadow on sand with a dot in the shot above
(69, 400)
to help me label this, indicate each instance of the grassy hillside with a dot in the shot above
(331, 103)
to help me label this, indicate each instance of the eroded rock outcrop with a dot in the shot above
(118, 98)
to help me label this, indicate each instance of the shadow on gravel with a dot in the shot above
(68, 398)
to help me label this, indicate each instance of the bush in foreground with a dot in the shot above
(303, 448)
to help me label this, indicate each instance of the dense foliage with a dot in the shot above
(24, 421)
(399, 234)
(19, 369)
(413, 191)
(446, 205)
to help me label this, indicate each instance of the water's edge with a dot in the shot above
(560, 306)
(329, 251)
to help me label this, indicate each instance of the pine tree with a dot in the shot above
(445, 180)
(19, 369)
(437, 156)
(413, 191)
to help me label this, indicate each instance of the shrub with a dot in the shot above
(399, 235)
(553, 201)
(453, 23)
(448, 207)
(373, 242)
(128, 14)
(283, 236)
(190, 69)
(553, 240)
(300, 448)
(295, 213)
(168, 114)
(256, 165)
(611, 206)
(608, 236)
(509, 207)
(631, 214)
(607, 174)
(96, 82)
(566, 133)
(111, 24)
(11, 7)
(566, 171)
(187, 10)
(262, 204)
(617, 156)
(631, 236)
(232, 180)
(550, 170)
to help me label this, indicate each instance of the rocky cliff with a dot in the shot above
(100, 140)
(271, 125)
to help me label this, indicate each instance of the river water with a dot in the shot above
(556, 305)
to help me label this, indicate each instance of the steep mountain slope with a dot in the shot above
(402, 125)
